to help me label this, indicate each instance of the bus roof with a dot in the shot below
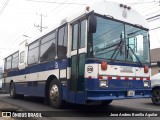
(116, 11)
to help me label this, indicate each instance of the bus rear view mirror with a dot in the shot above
(92, 23)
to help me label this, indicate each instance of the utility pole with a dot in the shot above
(40, 27)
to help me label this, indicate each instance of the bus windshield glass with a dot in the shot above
(118, 41)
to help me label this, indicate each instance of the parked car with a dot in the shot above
(155, 83)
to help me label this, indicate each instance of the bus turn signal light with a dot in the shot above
(103, 65)
(146, 69)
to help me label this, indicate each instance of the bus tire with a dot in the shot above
(55, 94)
(156, 96)
(106, 102)
(12, 91)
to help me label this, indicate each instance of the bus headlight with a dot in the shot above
(146, 84)
(103, 83)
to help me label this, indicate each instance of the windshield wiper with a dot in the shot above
(120, 45)
(135, 55)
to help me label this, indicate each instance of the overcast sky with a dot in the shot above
(17, 18)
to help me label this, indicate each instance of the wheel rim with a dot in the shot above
(156, 96)
(54, 93)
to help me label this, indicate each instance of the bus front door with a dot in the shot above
(78, 54)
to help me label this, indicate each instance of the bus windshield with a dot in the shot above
(118, 41)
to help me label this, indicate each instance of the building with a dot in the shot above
(155, 57)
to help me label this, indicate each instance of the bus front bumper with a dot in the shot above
(97, 95)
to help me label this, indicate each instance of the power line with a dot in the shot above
(55, 2)
(153, 13)
(7, 48)
(1, 2)
(58, 6)
(148, 8)
(149, 5)
(4, 6)
(145, 2)
(17, 35)
(155, 28)
(153, 18)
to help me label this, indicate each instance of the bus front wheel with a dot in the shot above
(55, 94)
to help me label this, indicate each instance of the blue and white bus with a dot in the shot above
(100, 54)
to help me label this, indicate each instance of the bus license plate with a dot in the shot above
(130, 93)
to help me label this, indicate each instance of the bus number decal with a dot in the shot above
(56, 64)
(89, 69)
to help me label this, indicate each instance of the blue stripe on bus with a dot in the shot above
(62, 64)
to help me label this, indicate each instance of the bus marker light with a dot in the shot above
(103, 65)
(146, 69)
(126, 78)
(118, 78)
(109, 78)
(128, 7)
(100, 77)
(134, 78)
(141, 78)
(89, 77)
(121, 5)
(125, 6)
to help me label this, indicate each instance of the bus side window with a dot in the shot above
(48, 47)
(83, 34)
(75, 37)
(62, 42)
(8, 63)
(33, 53)
(15, 60)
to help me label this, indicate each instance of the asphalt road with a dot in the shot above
(84, 112)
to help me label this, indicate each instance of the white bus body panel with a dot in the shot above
(115, 70)
(119, 13)
(23, 47)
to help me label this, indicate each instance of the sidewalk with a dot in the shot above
(7, 107)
